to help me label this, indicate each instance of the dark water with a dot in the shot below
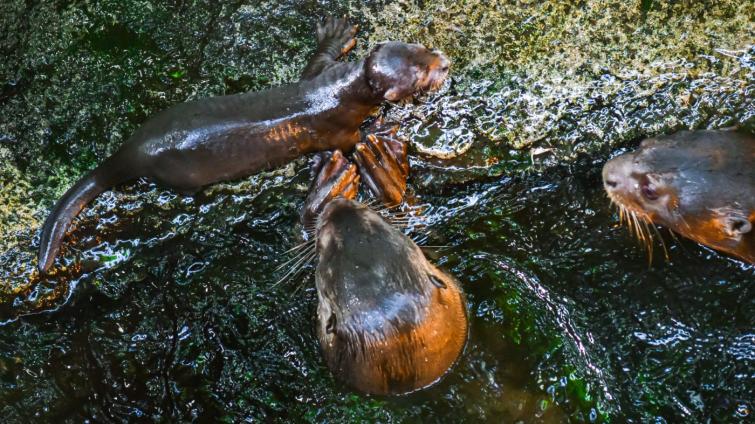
(166, 310)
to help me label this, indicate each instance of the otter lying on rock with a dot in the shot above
(700, 184)
(193, 144)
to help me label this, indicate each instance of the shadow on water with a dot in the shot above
(166, 311)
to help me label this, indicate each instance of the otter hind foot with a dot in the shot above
(384, 166)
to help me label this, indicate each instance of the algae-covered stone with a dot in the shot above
(574, 78)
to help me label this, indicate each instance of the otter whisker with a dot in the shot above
(298, 266)
(419, 239)
(296, 257)
(402, 220)
(299, 246)
(398, 213)
(310, 230)
(629, 222)
(638, 228)
(621, 215)
(383, 210)
(306, 260)
(385, 207)
(298, 261)
(298, 288)
(641, 228)
(640, 234)
(639, 222)
(663, 242)
(411, 214)
(437, 246)
(399, 224)
(649, 242)
(644, 230)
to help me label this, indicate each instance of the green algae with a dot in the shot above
(15, 214)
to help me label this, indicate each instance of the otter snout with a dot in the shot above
(438, 70)
(617, 178)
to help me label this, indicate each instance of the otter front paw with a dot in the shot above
(335, 177)
(384, 166)
(336, 36)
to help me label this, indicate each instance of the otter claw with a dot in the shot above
(384, 167)
(335, 177)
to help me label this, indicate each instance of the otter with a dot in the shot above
(197, 143)
(388, 321)
(700, 184)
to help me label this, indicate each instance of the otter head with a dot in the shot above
(399, 70)
(389, 322)
(700, 184)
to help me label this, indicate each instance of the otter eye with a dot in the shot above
(437, 282)
(648, 192)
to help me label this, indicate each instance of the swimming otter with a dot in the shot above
(700, 184)
(193, 144)
(388, 321)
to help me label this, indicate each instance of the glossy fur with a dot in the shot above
(389, 322)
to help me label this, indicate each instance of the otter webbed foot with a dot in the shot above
(335, 38)
(334, 176)
(383, 164)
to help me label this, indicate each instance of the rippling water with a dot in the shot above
(166, 308)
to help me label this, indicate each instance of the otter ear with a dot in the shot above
(736, 225)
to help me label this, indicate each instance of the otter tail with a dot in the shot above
(111, 172)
